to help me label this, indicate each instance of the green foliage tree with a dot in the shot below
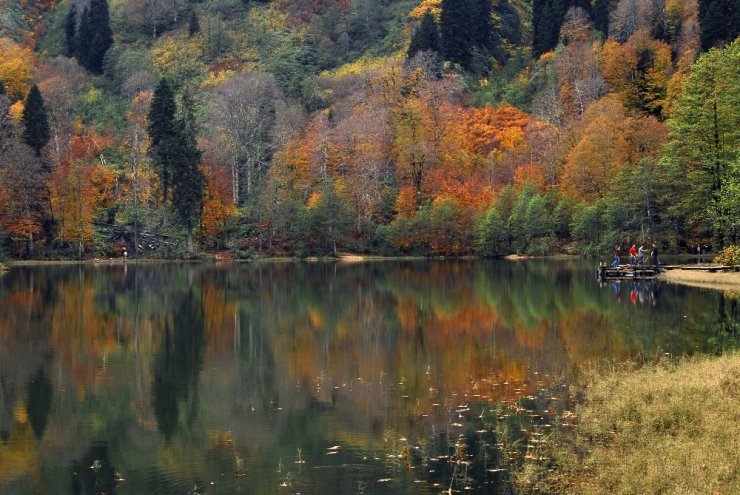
(588, 227)
(465, 29)
(35, 121)
(194, 26)
(187, 179)
(531, 222)
(94, 36)
(705, 140)
(162, 131)
(70, 30)
(494, 231)
(425, 37)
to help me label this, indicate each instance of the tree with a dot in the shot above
(705, 139)
(70, 30)
(35, 122)
(194, 26)
(5, 126)
(601, 17)
(719, 21)
(466, 32)
(242, 113)
(425, 37)
(187, 179)
(94, 36)
(16, 68)
(161, 130)
(547, 17)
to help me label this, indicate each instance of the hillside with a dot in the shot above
(292, 127)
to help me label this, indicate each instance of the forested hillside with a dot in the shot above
(309, 127)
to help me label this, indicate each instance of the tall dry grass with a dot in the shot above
(660, 429)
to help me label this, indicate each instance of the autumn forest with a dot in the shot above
(178, 128)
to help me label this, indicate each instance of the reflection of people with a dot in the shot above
(641, 256)
(633, 255)
(617, 290)
(654, 255)
(633, 294)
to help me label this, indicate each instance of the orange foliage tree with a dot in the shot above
(79, 186)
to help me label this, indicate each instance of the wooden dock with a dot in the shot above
(629, 272)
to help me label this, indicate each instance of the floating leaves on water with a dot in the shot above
(384, 480)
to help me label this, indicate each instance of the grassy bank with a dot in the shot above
(663, 428)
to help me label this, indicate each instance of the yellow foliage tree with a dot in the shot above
(16, 68)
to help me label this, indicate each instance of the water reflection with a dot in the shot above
(315, 378)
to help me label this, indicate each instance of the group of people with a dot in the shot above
(637, 255)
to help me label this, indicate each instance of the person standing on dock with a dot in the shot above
(633, 255)
(654, 255)
(641, 256)
(617, 255)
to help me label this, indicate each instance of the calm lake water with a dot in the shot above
(369, 378)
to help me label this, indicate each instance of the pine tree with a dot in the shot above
(161, 130)
(83, 37)
(70, 30)
(194, 27)
(35, 121)
(465, 28)
(187, 179)
(102, 38)
(547, 18)
(601, 16)
(94, 36)
(719, 21)
(479, 15)
(425, 37)
(455, 32)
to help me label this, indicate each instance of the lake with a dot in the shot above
(383, 377)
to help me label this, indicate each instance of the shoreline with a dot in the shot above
(726, 281)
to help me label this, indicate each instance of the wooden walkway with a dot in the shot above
(629, 272)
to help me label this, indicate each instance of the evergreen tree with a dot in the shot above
(94, 36)
(194, 27)
(601, 16)
(719, 21)
(83, 37)
(187, 179)
(161, 130)
(102, 38)
(465, 28)
(425, 37)
(70, 30)
(547, 17)
(455, 32)
(479, 16)
(35, 121)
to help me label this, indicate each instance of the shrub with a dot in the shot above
(729, 256)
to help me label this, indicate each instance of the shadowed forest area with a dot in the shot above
(161, 128)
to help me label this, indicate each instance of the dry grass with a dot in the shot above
(720, 280)
(668, 429)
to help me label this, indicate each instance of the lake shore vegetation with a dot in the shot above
(286, 128)
(668, 427)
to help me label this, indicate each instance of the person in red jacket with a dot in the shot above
(633, 255)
